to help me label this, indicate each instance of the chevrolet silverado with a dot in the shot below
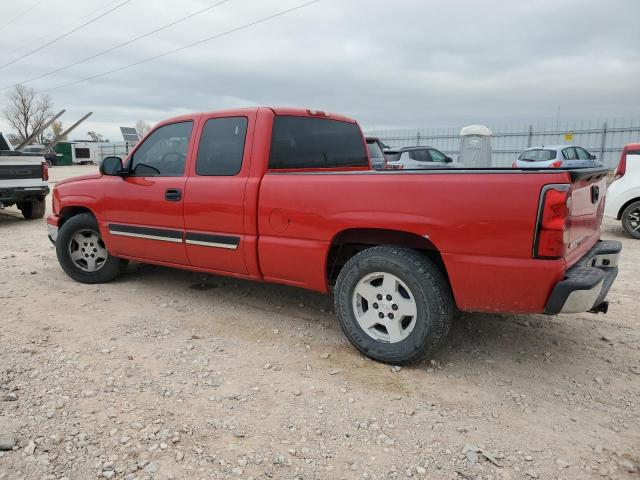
(287, 195)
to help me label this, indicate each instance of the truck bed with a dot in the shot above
(481, 221)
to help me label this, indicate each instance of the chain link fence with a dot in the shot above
(605, 138)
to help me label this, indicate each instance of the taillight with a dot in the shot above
(553, 223)
(556, 164)
(45, 171)
(622, 166)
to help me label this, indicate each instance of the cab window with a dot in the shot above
(164, 152)
(221, 146)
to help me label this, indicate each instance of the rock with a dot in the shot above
(51, 413)
(531, 474)
(7, 441)
(30, 448)
(179, 456)
(10, 397)
(335, 371)
(561, 463)
(396, 369)
(421, 470)
(108, 474)
(528, 458)
(152, 467)
(628, 465)
(471, 452)
(325, 355)
(237, 471)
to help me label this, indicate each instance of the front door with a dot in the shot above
(214, 199)
(144, 210)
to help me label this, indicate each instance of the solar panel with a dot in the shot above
(129, 134)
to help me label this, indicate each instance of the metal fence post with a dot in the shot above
(603, 141)
(530, 138)
(418, 135)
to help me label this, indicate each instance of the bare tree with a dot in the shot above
(94, 136)
(142, 128)
(26, 111)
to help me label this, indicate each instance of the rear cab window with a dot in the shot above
(538, 155)
(306, 142)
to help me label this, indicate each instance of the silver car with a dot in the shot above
(417, 158)
(557, 156)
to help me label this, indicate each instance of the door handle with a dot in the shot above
(173, 195)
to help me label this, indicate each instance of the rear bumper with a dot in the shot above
(9, 196)
(587, 283)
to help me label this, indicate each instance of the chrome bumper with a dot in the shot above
(587, 283)
(53, 233)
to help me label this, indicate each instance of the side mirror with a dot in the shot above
(592, 156)
(448, 159)
(111, 166)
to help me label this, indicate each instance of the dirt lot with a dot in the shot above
(170, 374)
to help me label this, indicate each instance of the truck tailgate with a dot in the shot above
(588, 191)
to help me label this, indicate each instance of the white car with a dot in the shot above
(623, 195)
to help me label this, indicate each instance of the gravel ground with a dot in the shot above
(169, 374)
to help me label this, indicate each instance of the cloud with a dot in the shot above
(388, 64)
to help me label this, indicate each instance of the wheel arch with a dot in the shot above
(347, 243)
(71, 211)
(625, 205)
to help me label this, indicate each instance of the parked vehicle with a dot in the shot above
(377, 158)
(418, 157)
(24, 182)
(557, 156)
(50, 157)
(287, 195)
(623, 197)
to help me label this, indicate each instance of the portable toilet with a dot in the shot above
(475, 146)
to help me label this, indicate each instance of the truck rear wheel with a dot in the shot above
(33, 209)
(82, 253)
(631, 219)
(393, 304)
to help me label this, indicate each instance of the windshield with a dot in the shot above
(537, 155)
(374, 149)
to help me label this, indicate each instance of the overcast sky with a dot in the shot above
(385, 63)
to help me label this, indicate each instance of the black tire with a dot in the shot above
(110, 268)
(33, 209)
(631, 219)
(427, 285)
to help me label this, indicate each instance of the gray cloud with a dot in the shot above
(388, 64)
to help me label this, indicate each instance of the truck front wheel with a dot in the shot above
(82, 253)
(393, 304)
(33, 209)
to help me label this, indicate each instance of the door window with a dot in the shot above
(437, 156)
(164, 152)
(419, 155)
(221, 146)
(582, 153)
(569, 153)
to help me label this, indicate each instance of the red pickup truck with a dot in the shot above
(287, 195)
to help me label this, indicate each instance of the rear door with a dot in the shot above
(214, 197)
